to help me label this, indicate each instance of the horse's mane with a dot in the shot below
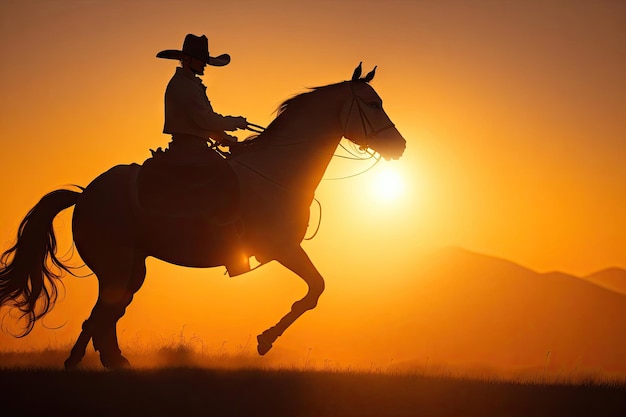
(299, 98)
(281, 111)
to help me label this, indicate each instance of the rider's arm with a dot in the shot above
(202, 114)
(188, 110)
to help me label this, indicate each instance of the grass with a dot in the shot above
(181, 377)
(206, 392)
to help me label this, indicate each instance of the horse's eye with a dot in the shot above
(375, 105)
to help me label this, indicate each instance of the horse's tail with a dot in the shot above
(30, 269)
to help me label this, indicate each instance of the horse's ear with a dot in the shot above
(370, 75)
(357, 72)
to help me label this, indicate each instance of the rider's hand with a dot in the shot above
(237, 122)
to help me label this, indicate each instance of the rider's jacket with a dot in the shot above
(188, 111)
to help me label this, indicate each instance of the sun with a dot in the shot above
(387, 185)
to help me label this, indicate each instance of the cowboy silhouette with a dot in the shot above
(191, 179)
(189, 116)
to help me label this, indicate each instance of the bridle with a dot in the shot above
(368, 128)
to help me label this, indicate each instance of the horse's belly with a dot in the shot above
(191, 242)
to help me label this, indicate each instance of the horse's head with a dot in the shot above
(365, 122)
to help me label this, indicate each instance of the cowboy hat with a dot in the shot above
(196, 47)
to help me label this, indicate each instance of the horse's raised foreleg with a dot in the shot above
(296, 260)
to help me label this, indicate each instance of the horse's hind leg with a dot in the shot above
(78, 351)
(116, 293)
(118, 281)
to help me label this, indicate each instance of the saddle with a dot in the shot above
(198, 184)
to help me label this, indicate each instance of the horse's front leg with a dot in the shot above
(297, 261)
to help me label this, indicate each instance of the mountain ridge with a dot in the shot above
(462, 308)
(612, 278)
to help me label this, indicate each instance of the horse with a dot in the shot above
(277, 175)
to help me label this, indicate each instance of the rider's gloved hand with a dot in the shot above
(237, 122)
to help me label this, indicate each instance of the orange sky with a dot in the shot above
(513, 113)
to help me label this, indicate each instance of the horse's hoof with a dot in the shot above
(71, 364)
(264, 346)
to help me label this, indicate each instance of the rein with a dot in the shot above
(255, 128)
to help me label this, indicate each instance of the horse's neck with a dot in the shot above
(305, 150)
(300, 147)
